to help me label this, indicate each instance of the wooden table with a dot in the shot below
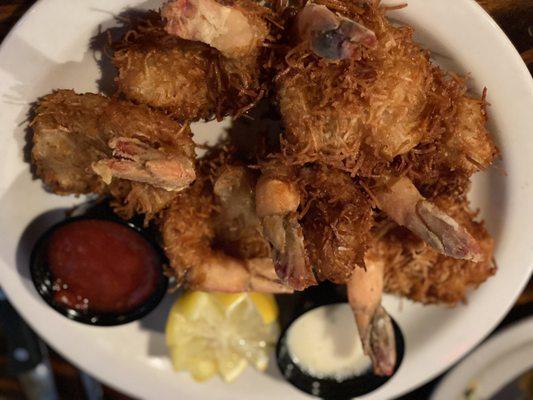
(516, 19)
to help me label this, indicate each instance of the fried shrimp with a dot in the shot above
(366, 108)
(166, 72)
(357, 94)
(185, 77)
(316, 219)
(213, 237)
(92, 144)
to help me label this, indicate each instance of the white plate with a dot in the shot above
(494, 364)
(49, 48)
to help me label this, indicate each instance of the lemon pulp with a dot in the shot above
(210, 333)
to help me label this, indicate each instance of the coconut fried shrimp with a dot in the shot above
(188, 79)
(402, 202)
(362, 110)
(91, 144)
(213, 237)
(364, 289)
(417, 271)
(236, 29)
(277, 201)
(317, 221)
(336, 223)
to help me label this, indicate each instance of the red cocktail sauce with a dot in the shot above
(101, 266)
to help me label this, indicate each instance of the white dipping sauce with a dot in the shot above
(324, 343)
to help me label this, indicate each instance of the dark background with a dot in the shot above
(516, 19)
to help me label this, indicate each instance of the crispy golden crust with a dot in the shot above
(164, 71)
(416, 271)
(336, 224)
(190, 80)
(187, 229)
(67, 139)
(131, 198)
(465, 146)
(198, 229)
(72, 131)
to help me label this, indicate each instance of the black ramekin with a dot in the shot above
(43, 280)
(330, 388)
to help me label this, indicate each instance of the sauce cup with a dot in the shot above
(67, 294)
(329, 387)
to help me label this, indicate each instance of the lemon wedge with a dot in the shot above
(210, 333)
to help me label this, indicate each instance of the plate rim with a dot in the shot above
(494, 345)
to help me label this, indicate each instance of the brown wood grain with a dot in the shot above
(499, 5)
(10, 12)
(515, 17)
